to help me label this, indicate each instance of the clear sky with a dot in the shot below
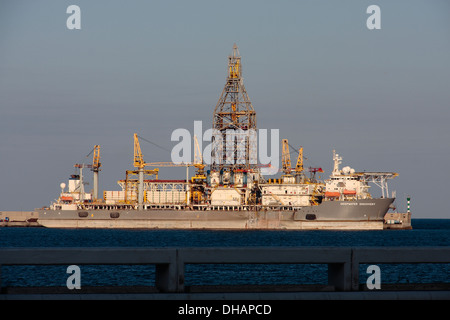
(312, 69)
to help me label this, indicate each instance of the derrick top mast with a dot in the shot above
(234, 64)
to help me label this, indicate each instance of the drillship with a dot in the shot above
(232, 194)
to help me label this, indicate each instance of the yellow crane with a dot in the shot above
(285, 157)
(139, 163)
(96, 158)
(286, 162)
(138, 157)
(198, 157)
(96, 168)
(139, 160)
(299, 166)
(197, 191)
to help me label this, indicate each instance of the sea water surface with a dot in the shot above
(425, 232)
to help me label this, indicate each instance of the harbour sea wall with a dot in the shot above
(19, 219)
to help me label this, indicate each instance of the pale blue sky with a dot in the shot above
(312, 69)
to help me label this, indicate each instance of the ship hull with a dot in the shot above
(332, 215)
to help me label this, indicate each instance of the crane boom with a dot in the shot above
(138, 157)
(96, 168)
(166, 164)
(96, 159)
(285, 157)
(299, 166)
(198, 159)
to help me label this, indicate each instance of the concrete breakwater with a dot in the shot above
(19, 219)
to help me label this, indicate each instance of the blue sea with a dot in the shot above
(425, 232)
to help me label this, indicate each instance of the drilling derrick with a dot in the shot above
(234, 124)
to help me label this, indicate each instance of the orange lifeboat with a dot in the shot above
(330, 194)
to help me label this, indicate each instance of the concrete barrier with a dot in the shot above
(343, 262)
(338, 259)
(164, 259)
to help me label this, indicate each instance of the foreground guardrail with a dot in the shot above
(343, 262)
